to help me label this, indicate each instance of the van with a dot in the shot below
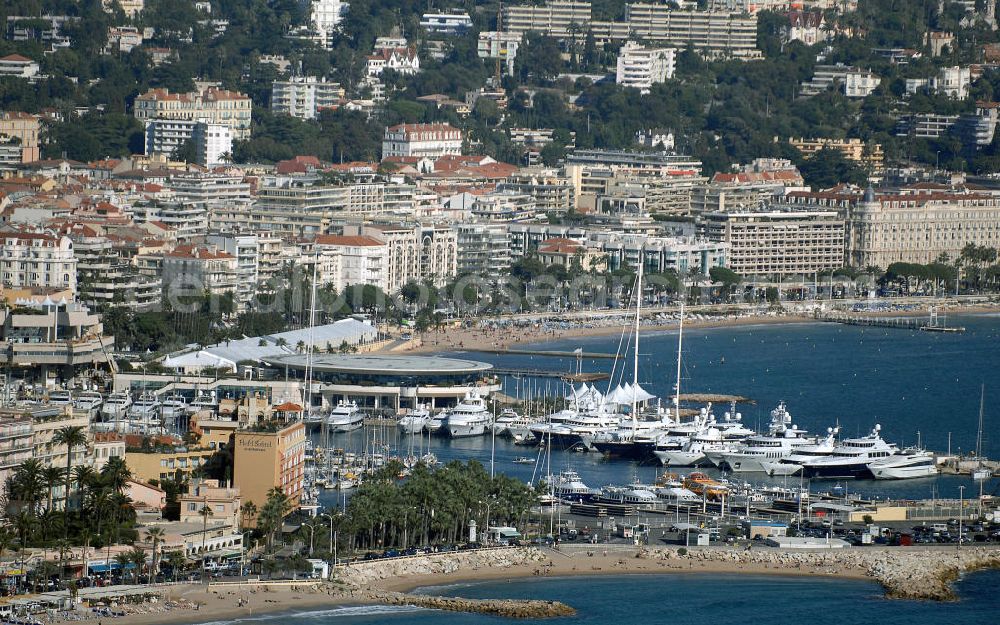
(939, 527)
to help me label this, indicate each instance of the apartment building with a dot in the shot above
(305, 96)
(499, 45)
(446, 23)
(16, 442)
(108, 276)
(189, 269)
(212, 105)
(55, 341)
(503, 206)
(555, 19)
(164, 465)
(25, 128)
(185, 220)
(37, 259)
(953, 82)
(869, 155)
(297, 205)
(641, 68)
(363, 259)
(213, 143)
(431, 140)
(224, 502)
(17, 66)
(776, 241)
(483, 251)
(265, 460)
(659, 254)
(44, 425)
(727, 191)
(713, 34)
(551, 191)
(326, 17)
(417, 253)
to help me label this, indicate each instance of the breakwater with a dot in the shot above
(509, 608)
(904, 573)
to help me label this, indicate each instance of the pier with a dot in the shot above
(933, 324)
(550, 373)
(548, 353)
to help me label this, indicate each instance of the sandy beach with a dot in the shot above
(499, 339)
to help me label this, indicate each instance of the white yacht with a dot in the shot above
(345, 417)
(204, 401)
(174, 406)
(692, 453)
(792, 464)
(469, 417)
(510, 423)
(116, 406)
(781, 441)
(436, 422)
(851, 457)
(909, 463)
(568, 486)
(60, 397)
(414, 420)
(88, 401)
(146, 406)
(570, 427)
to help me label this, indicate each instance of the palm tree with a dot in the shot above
(84, 477)
(137, 556)
(154, 535)
(205, 512)
(26, 488)
(116, 474)
(300, 347)
(52, 477)
(71, 436)
(248, 512)
(176, 560)
(123, 560)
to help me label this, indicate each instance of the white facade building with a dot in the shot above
(304, 96)
(421, 140)
(37, 259)
(212, 105)
(363, 259)
(860, 83)
(18, 66)
(402, 59)
(326, 18)
(641, 68)
(953, 82)
(213, 143)
(499, 45)
(446, 23)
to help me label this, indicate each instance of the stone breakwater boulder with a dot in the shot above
(364, 574)
(904, 573)
(509, 608)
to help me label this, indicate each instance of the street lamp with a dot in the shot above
(961, 509)
(333, 538)
(243, 558)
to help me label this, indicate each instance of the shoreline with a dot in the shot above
(497, 340)
(914, 573)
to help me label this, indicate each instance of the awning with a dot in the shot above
(104, 568)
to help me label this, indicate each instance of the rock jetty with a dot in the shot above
(904, 573)
(509, 608)
(366, 574)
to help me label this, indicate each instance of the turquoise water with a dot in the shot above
(907, 381)
(691, 598)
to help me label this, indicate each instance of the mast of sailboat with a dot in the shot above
(680, 343)
(635, 362)
(979, 434)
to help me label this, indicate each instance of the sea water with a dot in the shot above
(908, 382)
(688, 598)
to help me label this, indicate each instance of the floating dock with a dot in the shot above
(551, 354)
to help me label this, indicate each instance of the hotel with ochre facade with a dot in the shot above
(263, 460)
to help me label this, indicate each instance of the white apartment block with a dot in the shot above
(131, 8)
(17, 66)
(499, 45)
(326, 18)
(211, 105)
(860, 83)
(953, 82)
(213, 143)
(421, 140)
(641, 68)
(503, 206)
(193, 268)
(418, 252)
(483, 251)
(552, 18)
(778, 242)
(37, 259)
(446, 23)
(363, 259)
(305, 96)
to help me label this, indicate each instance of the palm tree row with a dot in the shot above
(432, 506)
(99, 508)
